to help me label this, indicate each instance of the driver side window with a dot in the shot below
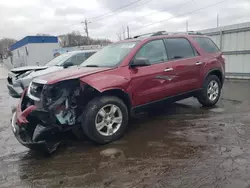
(154, 51)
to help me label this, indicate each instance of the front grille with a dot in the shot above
(35, 90)
(9, 79)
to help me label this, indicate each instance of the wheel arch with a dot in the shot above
(124, 96)
(217, 72)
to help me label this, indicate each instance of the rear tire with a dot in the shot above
(211, 91)
(101, 124)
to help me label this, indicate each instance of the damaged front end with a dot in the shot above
(46, 112)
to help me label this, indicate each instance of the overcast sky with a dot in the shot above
(20, 18)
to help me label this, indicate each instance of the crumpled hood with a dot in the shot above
(27, 68)
(72, 73)
(45, 71)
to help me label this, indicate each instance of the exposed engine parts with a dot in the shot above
(60, 100)
(65, 114)
(59, 109)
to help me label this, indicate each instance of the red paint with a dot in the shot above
(143, 84)
(71, 73)
(21, 116)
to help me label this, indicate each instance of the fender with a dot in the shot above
(113, 84)
(104, 83)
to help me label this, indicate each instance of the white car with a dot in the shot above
(20, 78)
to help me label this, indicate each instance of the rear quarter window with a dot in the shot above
(207, 44)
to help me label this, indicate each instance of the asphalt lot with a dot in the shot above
(182, 145)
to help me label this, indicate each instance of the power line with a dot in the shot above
(196, 10)
(221, 19)
(136, 6)
(110, 12)
(159, 10)
(103, 15)
(164, 9)
(115, 10)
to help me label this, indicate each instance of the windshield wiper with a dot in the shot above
(92, 66)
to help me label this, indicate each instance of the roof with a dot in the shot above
(33, 39)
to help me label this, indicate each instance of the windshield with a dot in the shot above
(109, 56)
(59, 60)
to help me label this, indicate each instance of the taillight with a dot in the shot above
(223, 57)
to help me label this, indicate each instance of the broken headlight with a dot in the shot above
(60, 99)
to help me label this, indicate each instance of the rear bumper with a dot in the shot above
(15, 92)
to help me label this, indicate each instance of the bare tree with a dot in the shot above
(75, 38)
(5, 43)
(119, 35)
(42, 34)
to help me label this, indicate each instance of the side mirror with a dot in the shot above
(67, 64)
(140, 62)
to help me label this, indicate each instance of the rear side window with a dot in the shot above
(207, 44)
(179, 48)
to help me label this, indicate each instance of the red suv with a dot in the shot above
(120, 80)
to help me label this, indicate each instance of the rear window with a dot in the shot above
(207, 44)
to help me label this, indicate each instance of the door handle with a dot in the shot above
(199, 63)
(168, 69)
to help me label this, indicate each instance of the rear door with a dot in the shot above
(213, 55)
(185, 62)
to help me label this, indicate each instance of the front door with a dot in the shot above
(152, 83)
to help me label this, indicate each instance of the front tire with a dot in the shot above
(105, 119)
(211, 91)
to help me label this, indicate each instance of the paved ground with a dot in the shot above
(3, 71)
(182, 145)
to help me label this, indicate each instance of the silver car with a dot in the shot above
(20, 78)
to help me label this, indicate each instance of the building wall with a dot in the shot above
(33, 54)
(234, 42)
(41, 53)
(19, 57)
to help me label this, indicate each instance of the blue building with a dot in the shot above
(33, 50)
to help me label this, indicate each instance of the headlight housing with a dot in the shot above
(55, 94)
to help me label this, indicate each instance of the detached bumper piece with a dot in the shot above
(42, 139)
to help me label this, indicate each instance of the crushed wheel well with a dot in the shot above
(120, 94)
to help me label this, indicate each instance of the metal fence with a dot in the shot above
(234, 42)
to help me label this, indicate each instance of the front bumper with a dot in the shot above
(15, 92)
(21, 129)
(21, 135)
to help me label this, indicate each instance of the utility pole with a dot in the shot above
(128, 31)
(86, 29)
(123, 32)
(187, 26)
(217, 20)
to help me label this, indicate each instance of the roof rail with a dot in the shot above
(160, 33)
(170, 33)
(150, 34)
